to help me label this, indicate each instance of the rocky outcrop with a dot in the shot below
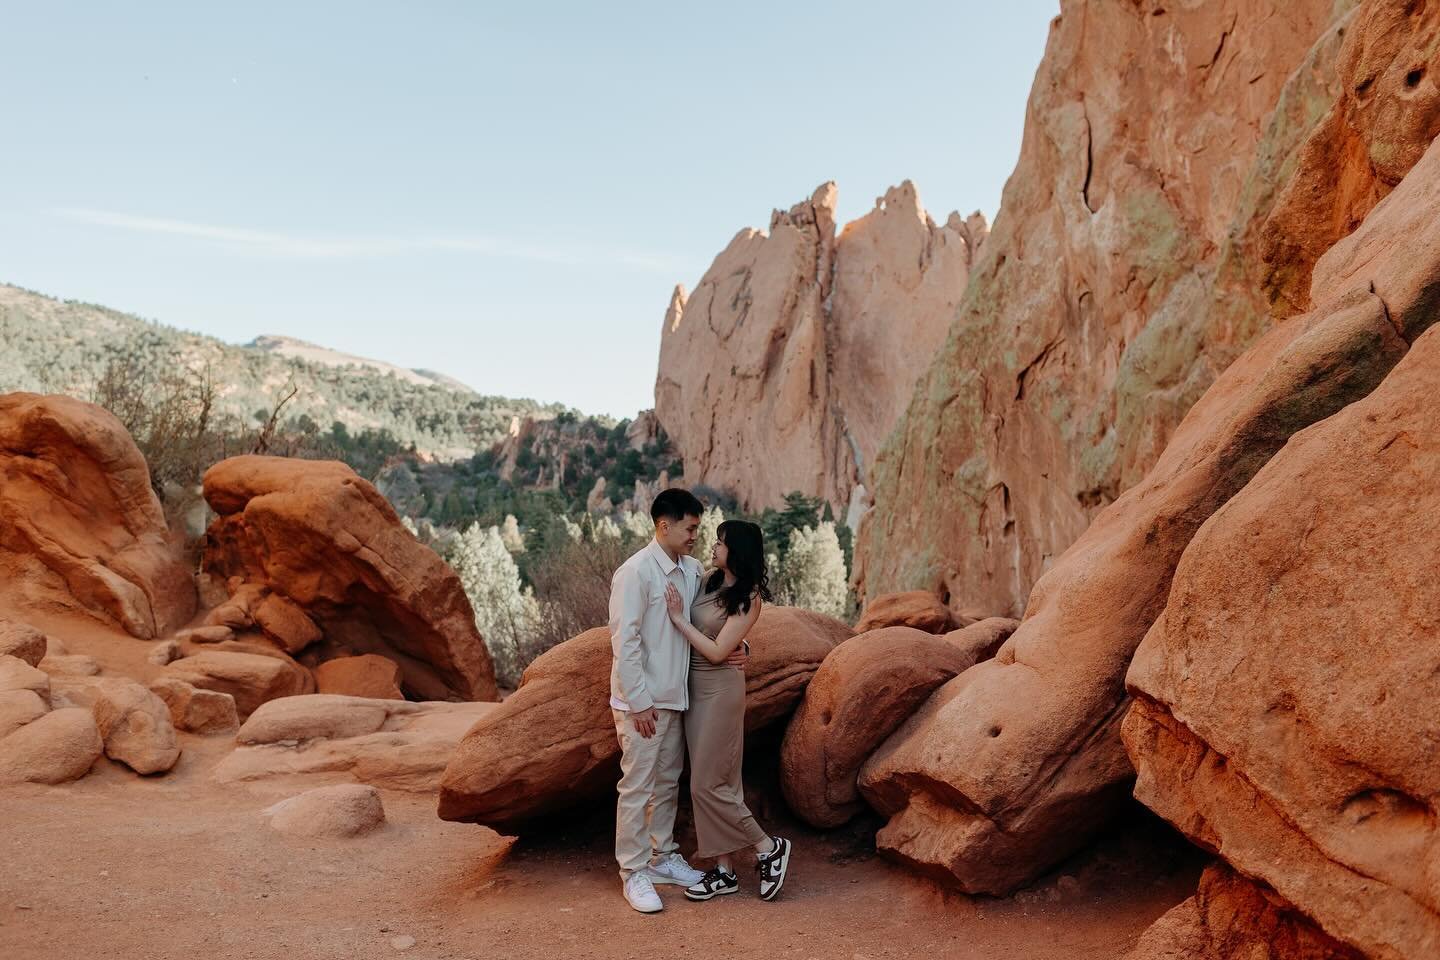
(551, 746)
(250, 678)
(1231, 917)
(22, 641)
(1122, 275)
(396, 744)
(861, 693)
(133, 722)
(919, 609)
(1015, 763)
(1286, 698)
(319, 561)
(80, 526)
(794, 355)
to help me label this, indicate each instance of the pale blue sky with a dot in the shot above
(504, 193)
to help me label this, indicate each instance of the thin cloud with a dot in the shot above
(265, 243)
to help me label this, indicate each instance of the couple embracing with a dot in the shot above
(677, 637)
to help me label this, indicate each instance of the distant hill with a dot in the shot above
(64, 346)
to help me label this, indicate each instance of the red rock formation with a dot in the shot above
(919, 609)
(795, 354)
(80, 527)
(861, 693)
(1286, 699)
(551, 746)
(1121, 276)
(1231, 917)
(317, 551)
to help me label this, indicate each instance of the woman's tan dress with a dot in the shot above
(715, 735)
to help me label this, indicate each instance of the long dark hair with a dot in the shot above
(745, 549)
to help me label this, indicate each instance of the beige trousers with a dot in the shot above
(649, 789)
(715, 732)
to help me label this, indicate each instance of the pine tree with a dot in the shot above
(510, 534)
(506, 614)
(812, 573)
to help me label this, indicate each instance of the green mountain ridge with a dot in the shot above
(64, 346)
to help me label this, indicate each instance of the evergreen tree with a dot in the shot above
(506, 614)
(812, 573)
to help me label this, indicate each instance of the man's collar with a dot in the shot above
(661, 557)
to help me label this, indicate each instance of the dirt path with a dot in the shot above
(123, 868)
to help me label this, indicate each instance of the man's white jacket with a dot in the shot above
(651, 658)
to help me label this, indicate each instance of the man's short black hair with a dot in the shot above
(675, 504)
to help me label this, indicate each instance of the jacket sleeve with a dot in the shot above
(627, 607)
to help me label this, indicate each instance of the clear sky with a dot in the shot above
(504, 193)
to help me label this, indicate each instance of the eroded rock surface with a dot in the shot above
(318, 560)
(80, 527)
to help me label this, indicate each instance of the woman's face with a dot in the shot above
(719, 555)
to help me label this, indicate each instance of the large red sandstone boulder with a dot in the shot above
(1285, 711)
(80, 527)
(790, 361)
(369, 675)
(252, 679)
(319, 560)
(58, 747)
(919, 609)
(861, 693)
(133, 722)
(1016, 763)
(551, 745)
(982, 639)
(1231, 917)
(1122, 275)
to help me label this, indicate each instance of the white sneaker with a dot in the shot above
(672, 868)
(640, 893)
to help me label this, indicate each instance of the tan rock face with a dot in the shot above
(919, 609)
(80, 527)
(1387, 113)
(792, 358)
(394, 744)
(1122, 274)
(338, 573)
(1015, 763)
(551, 746)
(983, 638)
(16, 674)
(863, 690)
(1285, 711)
(19, 707)
(368, 675)
(1231, 917)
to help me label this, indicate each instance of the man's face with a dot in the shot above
(679, 535)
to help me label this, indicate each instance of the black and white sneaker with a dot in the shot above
(772, 869)
(716, 882)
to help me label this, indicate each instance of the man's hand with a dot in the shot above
(645, 722)
(738, 657)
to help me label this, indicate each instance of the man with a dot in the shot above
(648, 696)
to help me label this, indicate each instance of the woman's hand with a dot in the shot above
(674, 603)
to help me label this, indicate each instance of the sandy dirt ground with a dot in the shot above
(121, 867)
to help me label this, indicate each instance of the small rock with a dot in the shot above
(217, 633)
(19, 707)
(196, 710)
(16, 674)
(164, 653)
(134, 723)
(22, 641)
(402, 943)
(343, 810)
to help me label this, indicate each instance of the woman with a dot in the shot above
(720, 617)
